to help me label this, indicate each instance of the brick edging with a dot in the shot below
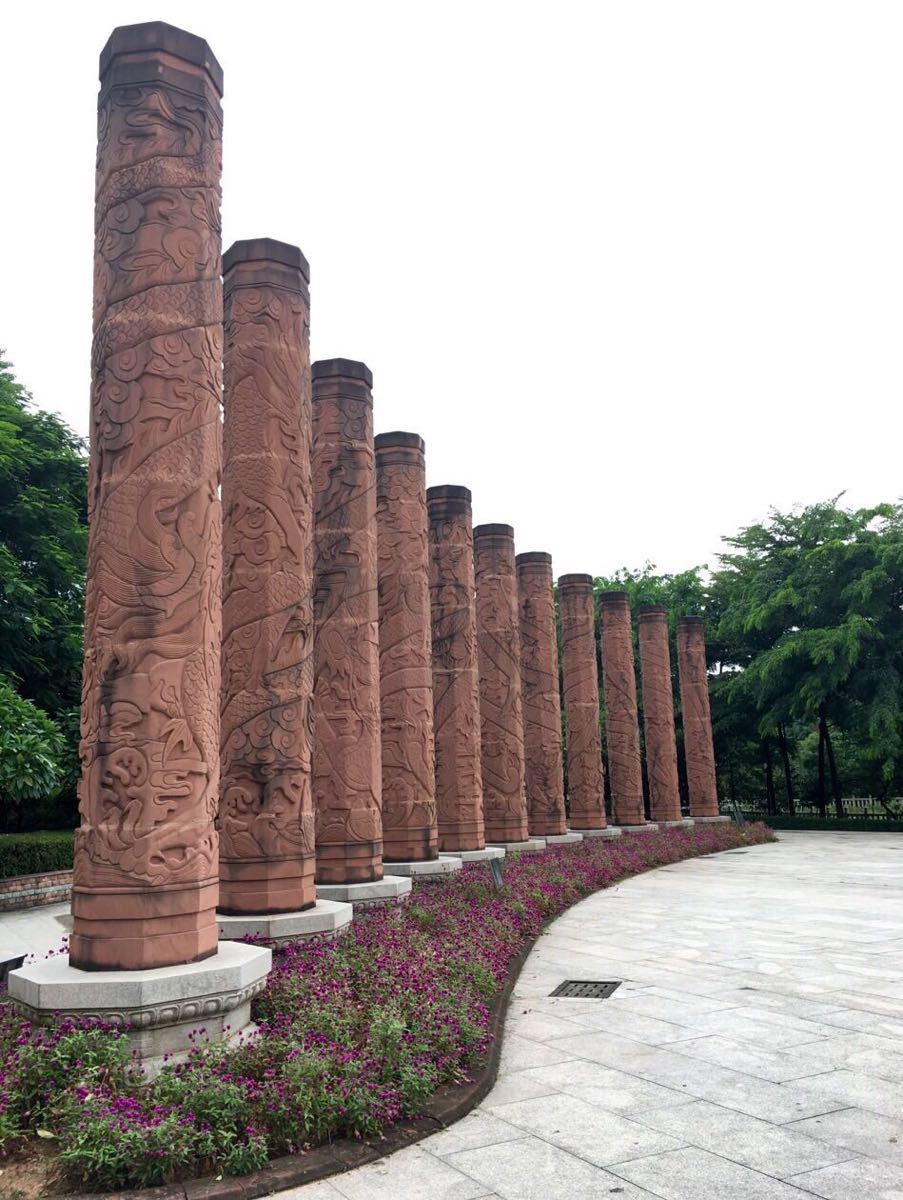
(33, 891)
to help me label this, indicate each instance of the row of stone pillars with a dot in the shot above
(327, 669)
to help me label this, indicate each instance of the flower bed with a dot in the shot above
(356, 1034)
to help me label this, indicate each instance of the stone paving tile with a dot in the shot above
(540, 1026)
(516, 1085)
(477, 1129)
(692, 1174)
(776, 1066)
(518, 1053)
(410, 1174)
(592, 1133)
(859, 1130)
(748, 1026)
(705, 1081)
(856, 1179)
(324, 1190)
(636, 1026)
(772, 1149)
(540, 1171)
(856, 1089)
(614, 1090)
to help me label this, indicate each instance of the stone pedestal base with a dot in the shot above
(610, 831)
(530, 846)
(563, 839)
(326, 919)
(710, 820)
(156, 1008)
(472, 856)
(647, 827)
(391, 889)
(434, 868)
(683, 823)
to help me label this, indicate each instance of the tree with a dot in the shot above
(43, 540)
(811, 623)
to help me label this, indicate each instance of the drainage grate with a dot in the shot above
(587, 989)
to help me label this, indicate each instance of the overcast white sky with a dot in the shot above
(632, 269)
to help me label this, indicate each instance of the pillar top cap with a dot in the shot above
(484, 531)
(690, 620)
(619, 597)
(531, 557)
(341, 368)
(651, 610)
(266, 250)
(575, 581)
(384, 441)
(168, 39)
(449, 491)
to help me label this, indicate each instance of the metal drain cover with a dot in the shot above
(587, 989)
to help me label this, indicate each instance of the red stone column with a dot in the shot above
(145, 888)
(501, 708)
(586, 798)
(346, 768)
(658, 713)
(405, 651)
(266, 817)
(541, 700)
(697, 718)
(456, 695)
(621, 722)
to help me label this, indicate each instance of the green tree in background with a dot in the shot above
(43, 540)
(810, 623)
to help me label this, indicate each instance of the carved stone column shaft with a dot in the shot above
(621, 722)
(658, 713)
(405, 651)
(347, 777)
(697, 718)
(266, 810)
(501, 707)
(541, 699)
(456, 696)
(586, 798)
(145, 881)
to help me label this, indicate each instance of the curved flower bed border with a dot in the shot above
(540, 890)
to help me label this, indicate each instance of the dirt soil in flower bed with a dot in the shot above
(367, 1043)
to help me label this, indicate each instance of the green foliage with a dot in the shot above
(810, 634)
(34, 853)
(43, 539)
(35, 759)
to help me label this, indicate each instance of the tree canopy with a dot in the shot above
(43, 539)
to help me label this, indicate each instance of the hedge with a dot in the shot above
(847, 825)
(35, 853)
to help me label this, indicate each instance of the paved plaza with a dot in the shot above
(754, 1050)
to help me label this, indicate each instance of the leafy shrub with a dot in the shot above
(35, 853)
(34, 755)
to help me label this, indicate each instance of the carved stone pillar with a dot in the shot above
(541, 700)
(456, 694)
(586, 800)
(621, 722)
(501, 708)
(266, 816)
(346, 767)
(145, 884)
(405, 651)
(658, 713)
(697, 718)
